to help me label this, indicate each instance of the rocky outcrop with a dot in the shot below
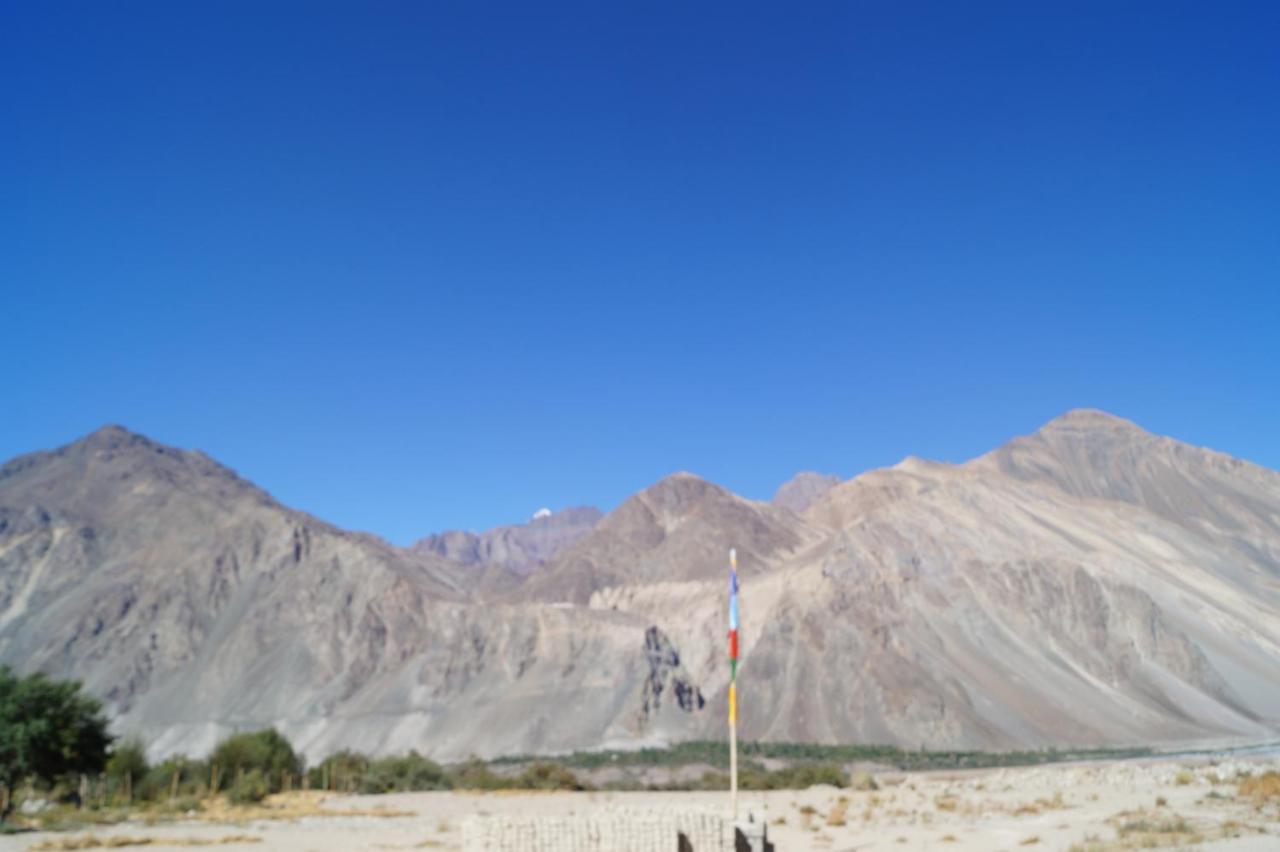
(666, 675)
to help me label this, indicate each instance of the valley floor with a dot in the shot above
(1174, 803)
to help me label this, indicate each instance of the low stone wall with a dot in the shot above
(609, 830)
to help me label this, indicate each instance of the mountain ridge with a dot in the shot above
(1090, 583)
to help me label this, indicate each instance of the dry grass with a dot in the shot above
(838, 815)
(1261, 788)
(1183, 778)
(287, 806)
(1091, 844)
(65, 817)
(946, 803)
(1039, 806)
(119, 841)
(1030, 841)
(1150, 832)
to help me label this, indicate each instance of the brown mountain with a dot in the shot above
(680, 528)
(518, 548)
(803, 490)
(1090, 583)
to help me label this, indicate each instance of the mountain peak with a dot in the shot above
(803, 490)
(678, 492)
(1089, 419)
(113, 435)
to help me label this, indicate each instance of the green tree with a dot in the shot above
(48, 729)
(128, 758)
(265, 750)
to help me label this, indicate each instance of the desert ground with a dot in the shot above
(1202, 803)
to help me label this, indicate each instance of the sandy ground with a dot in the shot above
(1149, 804)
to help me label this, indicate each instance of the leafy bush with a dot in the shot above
(157, 784)
(342, 770)
(266, 751)
(248, 788)
(476, 775)
(805, 775)
(403, 774)
(128, 759)
(547, 776)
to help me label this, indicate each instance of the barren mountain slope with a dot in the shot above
(193, 604)
(1090, 583)
(965, 606)
(518, 548)
(680, 528)
(803, 490)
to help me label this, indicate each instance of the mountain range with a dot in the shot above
(1088, 584)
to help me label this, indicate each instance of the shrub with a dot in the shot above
(810, 774)
(342, 770)
(1262, 787)
(128, 759)
(157, 784)
(266, 751)
(798, 777)
(475, 775)
(248, 788)
(403, 774)
(548, 776)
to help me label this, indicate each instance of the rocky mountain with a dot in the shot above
(195, 605)
(803, 490)
(1090, 583)
(518, 548)
(680, 528)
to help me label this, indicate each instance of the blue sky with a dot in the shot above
(424, 265)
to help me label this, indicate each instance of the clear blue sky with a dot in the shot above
(423, 265)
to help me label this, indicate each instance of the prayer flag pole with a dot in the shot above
(733, 681)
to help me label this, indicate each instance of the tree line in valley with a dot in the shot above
(55, 745)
